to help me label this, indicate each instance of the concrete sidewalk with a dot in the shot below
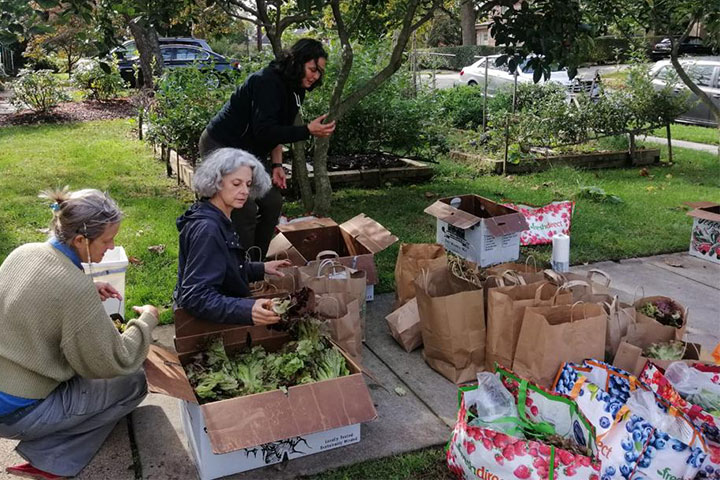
(703, 147)
(421, 418)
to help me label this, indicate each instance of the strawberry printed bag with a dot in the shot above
(545, 222)
(530, 452)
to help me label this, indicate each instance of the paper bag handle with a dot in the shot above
(337, 304)
(327, 253)
(530, 257)
(287, 256)
(498, 279)
(538, 292)
(513, 276)
(329, 262)
(635, 297)
(554, 277)
(596, 271)
(584, 310)
(248, 256)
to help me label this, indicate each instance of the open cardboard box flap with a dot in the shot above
(368, 233)
(252, 420)
(705, 210)
(499, 219)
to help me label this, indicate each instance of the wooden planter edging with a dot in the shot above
(412, 172)
(373, 177)
(618, 159)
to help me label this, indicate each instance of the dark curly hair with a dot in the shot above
(291, 64)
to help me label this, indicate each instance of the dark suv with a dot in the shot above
(180, 56)
(689, 46)
(128, 48)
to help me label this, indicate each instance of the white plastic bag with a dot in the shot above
(493, 402)
(695, 386)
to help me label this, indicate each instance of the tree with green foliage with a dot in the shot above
(557, 31)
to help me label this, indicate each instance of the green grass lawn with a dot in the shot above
(106, 155)
(691, 133)
(103, 155)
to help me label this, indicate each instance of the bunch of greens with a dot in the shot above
(672, 350)
(308, 357)
(664, 311)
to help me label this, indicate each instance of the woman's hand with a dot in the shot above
(278, 177)
(105, 290)
(147, 309)
(262, 312)
(272, 268)
(319, 129)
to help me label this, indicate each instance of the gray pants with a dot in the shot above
(254, 223)
(64, 432)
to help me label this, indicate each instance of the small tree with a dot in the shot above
(71, 39)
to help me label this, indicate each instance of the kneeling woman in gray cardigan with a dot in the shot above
(67, 374)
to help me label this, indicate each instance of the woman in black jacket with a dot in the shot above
(213, 271)
(259, 118)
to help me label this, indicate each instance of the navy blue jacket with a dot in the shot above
(213, 274)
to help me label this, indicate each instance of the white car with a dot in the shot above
(500, 77)
(705, 72)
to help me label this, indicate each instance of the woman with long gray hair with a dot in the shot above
(68, 375)
(214, 271)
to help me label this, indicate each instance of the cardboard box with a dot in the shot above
(630, 358)
(705, 236)
(478, 229)
(355, 241)
(224, 436)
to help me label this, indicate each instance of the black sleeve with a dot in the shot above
(266, 121)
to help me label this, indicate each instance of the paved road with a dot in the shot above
(445, 79)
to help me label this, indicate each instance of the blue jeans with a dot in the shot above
(65, 430)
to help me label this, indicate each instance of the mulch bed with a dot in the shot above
(364, 161)
(74, 112)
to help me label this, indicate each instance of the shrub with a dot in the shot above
(97, 83)
(184, 104)
(462, 106)
(39, 91)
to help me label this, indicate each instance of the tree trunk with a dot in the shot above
(146, 41)
(467, 22)
(258, 35)
(323, 189)
(300, 172)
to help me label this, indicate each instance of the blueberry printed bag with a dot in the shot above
(638, 438)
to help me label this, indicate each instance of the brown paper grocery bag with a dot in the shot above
(528, 273)
(452, 322)
(342, 315)
(411, 259)
(645, 331)
(404, 324)
(288, 283)
(550, 336)
(505, 310)
(333, 277)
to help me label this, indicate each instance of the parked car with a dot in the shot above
(689, 46)
(128, 49)
(706, 75)
(180, 56)
(501, 78)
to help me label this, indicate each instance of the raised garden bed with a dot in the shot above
(596, 160)
(373, 170)
(352, 170)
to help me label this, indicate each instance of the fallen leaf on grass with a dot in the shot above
(510, 178)
(674, 263)
(430, 195)
(44, 231)
(157, 248)
(650, 189)
(644, 172)
(668, 176)
(400, 391)
(135, 260)
(536, 187)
